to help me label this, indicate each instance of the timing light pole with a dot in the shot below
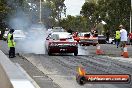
(40, 13)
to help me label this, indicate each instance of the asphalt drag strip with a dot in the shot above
(62, 69)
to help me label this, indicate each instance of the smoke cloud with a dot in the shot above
(35, 32)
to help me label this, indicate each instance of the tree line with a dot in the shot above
(112, 12)
(51, 11)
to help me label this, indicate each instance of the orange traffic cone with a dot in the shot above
(99, 51)
(125, 52)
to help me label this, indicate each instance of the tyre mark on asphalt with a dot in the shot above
(75, 59)
(119, 64)
(119, 72)
(113, 67)
(63, 60)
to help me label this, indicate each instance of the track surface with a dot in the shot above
(62, 69)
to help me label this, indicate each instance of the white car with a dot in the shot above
(5, 35)
(19, 35)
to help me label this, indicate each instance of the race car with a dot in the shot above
(86, 39)
(61, 42)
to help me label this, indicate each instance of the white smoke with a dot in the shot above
(82, 50)
(35, 40)
(35, 34)
(28, 22)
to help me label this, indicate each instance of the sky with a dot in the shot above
(74, 6)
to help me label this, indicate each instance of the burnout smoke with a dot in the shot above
(27, 20)
(82, 51)
(35, 41)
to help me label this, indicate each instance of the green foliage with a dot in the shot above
(89, 11)
(115, 12)
(57, 7)
(3, 13)
(51, 10)
(77, 23)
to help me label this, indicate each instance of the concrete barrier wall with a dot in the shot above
(16, 76)
(4, 80)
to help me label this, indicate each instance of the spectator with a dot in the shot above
(107, 36)
(123, 34)
(130, 37)
(95, 33)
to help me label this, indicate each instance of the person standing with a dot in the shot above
(117, 37)
(107, 36)
(11, 44)
(123, 34)
(95, 33)
(130, 38)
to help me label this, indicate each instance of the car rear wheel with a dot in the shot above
(49, 53)
(94, 44)
(76, 53)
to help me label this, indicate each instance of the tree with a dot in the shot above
(77, 23)
(57, 8)
(88, 11)
(113, 12)
(4, 9)
(51, 10)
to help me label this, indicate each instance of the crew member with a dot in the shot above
(117, 37)
(11, 44)
(95, 33)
